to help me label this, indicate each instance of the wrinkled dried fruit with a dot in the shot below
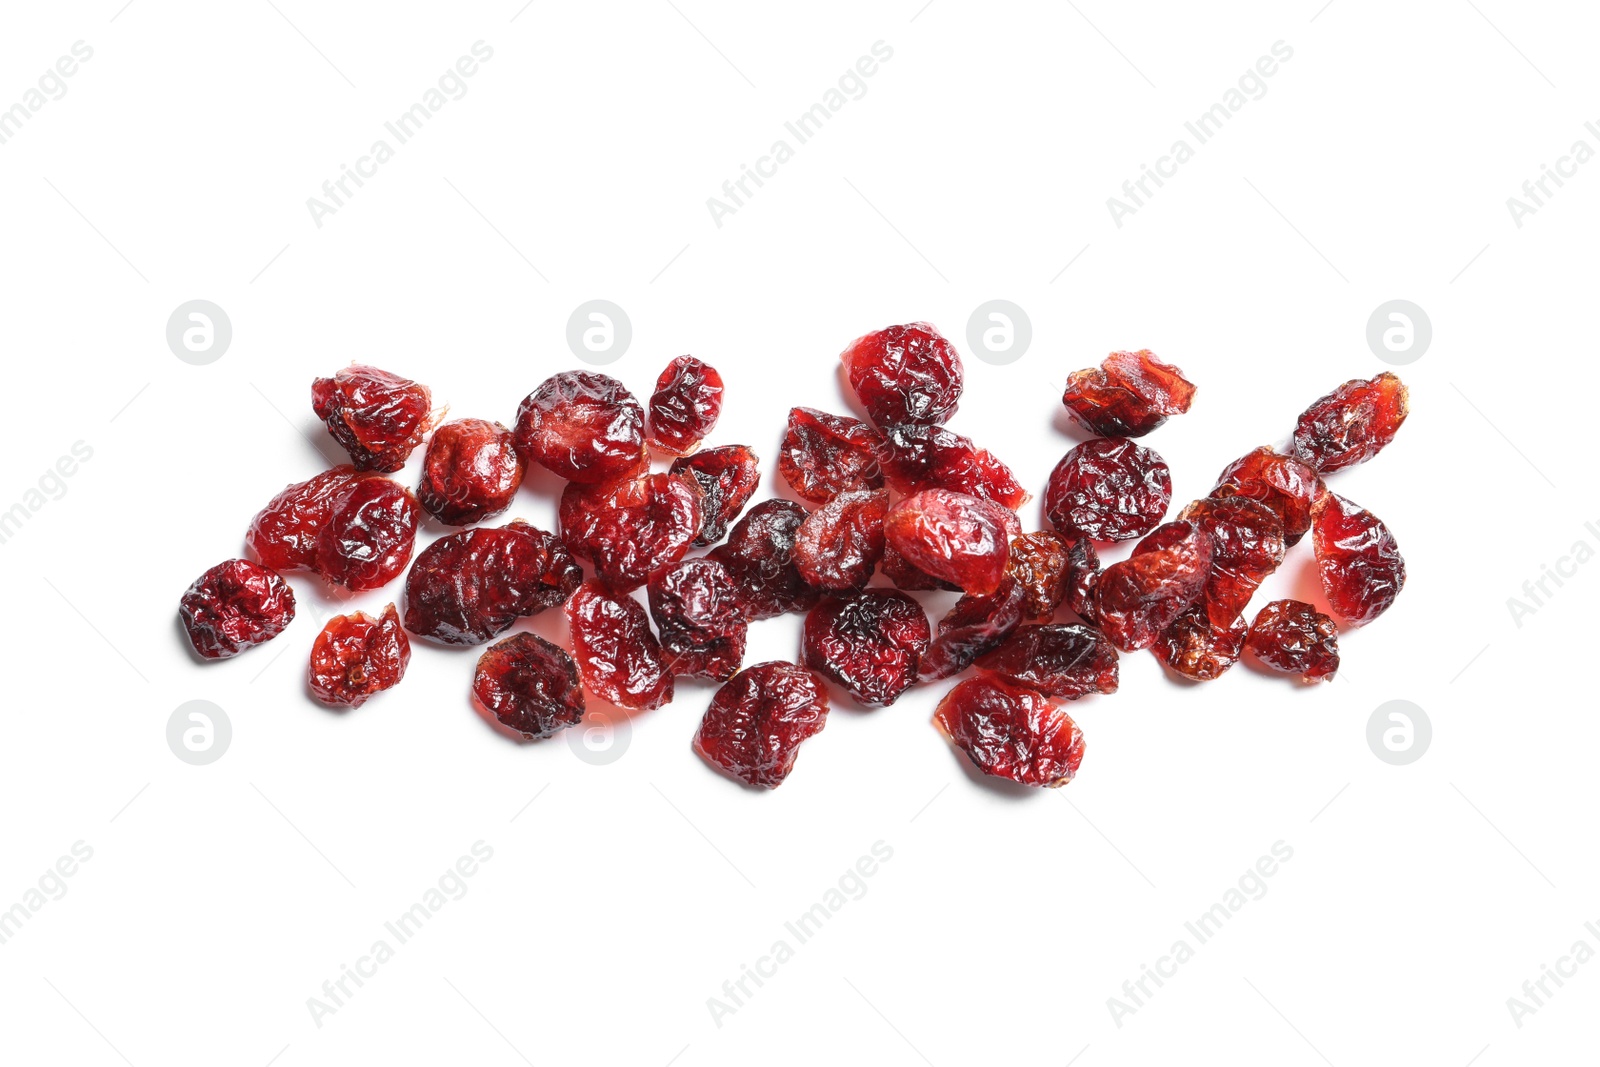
(1351, 424)
(1083, 574)
(1358, 559)
(759, 555)
(904, 374)
(1293, 637)
(755, 723)
(631, 529)
(903, 574)
(870, 643)
(619, 656)
(824, 454)
(685, 405)
(1038, 563)
(1108, 490)
(468, 587)
(1128, 395)
(952, 536)
(915, 458)
(1144, 594)
(583, 426)
(234, 606)
(530, 685)
(702, 625)
(1059, 661)
(1247, 546)
(1011, 732)
(1196, 648)
(841, 542)
(470, 472)
(727, 477)
(367, 541)
(974, 626)
(356, 656)
(1283, 483)
(377, 417)
(283, 535)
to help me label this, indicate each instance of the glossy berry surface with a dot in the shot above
(975, 625)
(1358, 559)
(631, 529)
(685, 406)
(470, 472)
(914, 458)
(759, 555)
(378, 418)
(1083, 575)
(234, 606)
(904, 374)
(1284, 484)
(1108, 490)
(699, 618)
(529, 685)
(1038, 564)
(1057, 660)
(1197, 648)
(356, 656)
(1351, 424)
(824, 454)
(368, 539)
(903, 574)
(951, 536)
(1247, 545)
(582, 426)
(727, 477)
(1128, 395)
(471, 586)
(283, 535)
(1011, 732)
(871, 643)
(840, 543)
(756, 722)
(1293, 637)
(1144, 594)
(619, 656)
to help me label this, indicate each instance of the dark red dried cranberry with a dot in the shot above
(1011, 732)
(870, 643)
(824, 454)
(974, 626)
(841, 542)
(727, 477)
(1059, 661)
(759, 555)
(283, 535)
(1108, 490)
(1038, 563)
(1293, 637)
(377, 417)
(1128, 395)
(619, 656)
(1247, 546)
(1083, 574)
(468, 587)
(951, 536)
(755, 723)
(470, 472)
(685, 405)
(583, 426)
(356, 656)
(631, 529)
(702, 625)
(1358, 559)
(915, 458)
(904, 374)
(1196, 648)
(1284, 484)
(368, 539)
(903, 574)
(234, 606)
(1351, 424)
(1144, 594)
(530, 685)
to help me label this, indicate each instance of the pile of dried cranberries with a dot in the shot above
(898, 495)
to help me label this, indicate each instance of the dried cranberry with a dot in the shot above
(1083, 574)
(841, 542)
(468, 587)
(685, 405)
(755, 723)
(1038, 563)
(470, 472)
(974, 626)
(727, 477)
(759, 555)
(696, 607)
(1128, 395)
(1358, 559)
(368, 539)
(1198, 649)
(1284, 484)
(903, 574)
(1011, 732)
(870, 643)
(1293, 637)
(356, 656)
(824, 454)
(283, 535)
(583, 426)
(530, 685)
(619, 656)
(234, 606)
(1247, 546)
(631, 529)
(1059, 661)
(377, 417)
(958, 538)
(904, 374)
(1351, 424)
(1144, 594)
(1110, 490)
(915, 458)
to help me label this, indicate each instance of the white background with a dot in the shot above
(977, 166)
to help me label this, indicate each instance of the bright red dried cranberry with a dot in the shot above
(1011, 732)
(368, 539)
(1351, 424)
(685, 405)
(1284, 484)
(824, 454)
(1083, 574)
(870, 643)
(1128, 395)
(583, 426)
(1144, 594)
(1247, 546)
(234, 606)
(356, 656)
(631, 529)
(915, 458)
(702, 625)
(619, 656)
(1109, 490)
(468, 587)
(974, 626)
(1293, 637)
(470, 472)
(841, 542)
(760, 556)
(903, 574)
(904, 374)
(283, 535)
(1196, 648)
(755, 723)
(530, 685)
(1059, 661)
(377, 417)
(952, 536)
(727, 477)
(1038, 563)
(1358, 559)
